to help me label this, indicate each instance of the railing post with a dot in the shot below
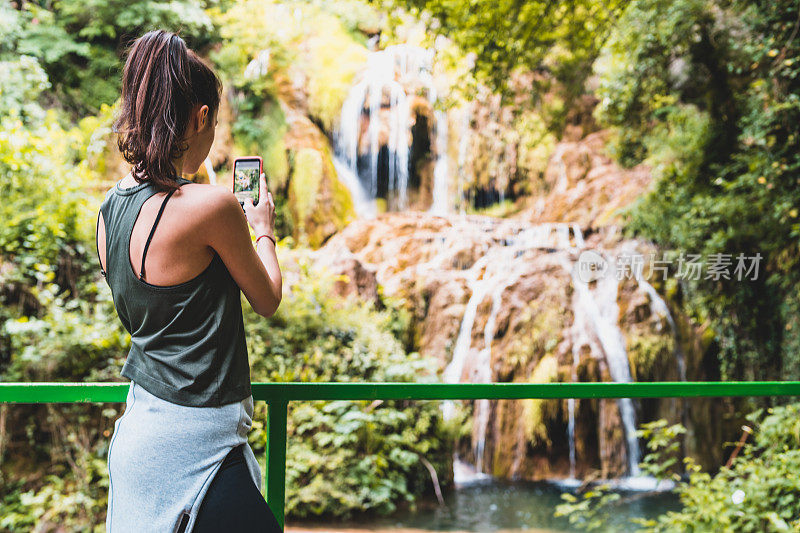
(275, 484)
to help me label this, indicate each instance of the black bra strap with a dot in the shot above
(97, 242)
(153, 230)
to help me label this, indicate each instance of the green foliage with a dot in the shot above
(705, 93)
(306, 179)
(560, 37)
(259, 128)
(346, 457)
(650, 356)
(43, 237)
(312, 47)
(758, 492)
(21, 82)
(663, 447)
(62, 500)
(592, 511)
(538, 412)
(74, 338)
(79, 42)
(536, 144)
(37, 225)
(56, 322)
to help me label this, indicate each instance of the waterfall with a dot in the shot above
(562, 236)
(659, 307)
(602, 311)
(581, 335)
(478, 287)
(377, 109)
(578, 236)
(618, 365)
(595, 325)
(398, 144)
(378, 76)
(491, 274)
(537, 236)
(483, 371)
(563, 180)
(363, 206)
(571, 413)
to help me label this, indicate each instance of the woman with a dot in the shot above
(179, 460)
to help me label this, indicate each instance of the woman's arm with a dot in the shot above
(255, 270)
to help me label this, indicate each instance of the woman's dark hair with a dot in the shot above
(162, 83)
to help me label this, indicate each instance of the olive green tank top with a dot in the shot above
(187, 340)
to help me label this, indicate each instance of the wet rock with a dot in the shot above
(319, 203)
(525, 316)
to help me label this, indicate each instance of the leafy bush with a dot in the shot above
(79, 42)
(346, 457)
(758, 492)
(705, 92)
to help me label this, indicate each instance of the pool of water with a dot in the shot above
(500, 506)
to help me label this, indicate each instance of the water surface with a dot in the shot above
(501, 507)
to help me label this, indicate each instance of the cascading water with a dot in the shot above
(555, 236)
(363, 206)
(578, 236)
(494, 267)
(378, 102)
(490, 274)
(440, 203)
(602, 311)
(483, 370)
(578, 326)
(478, 287)
(580, 337)
(659, 307)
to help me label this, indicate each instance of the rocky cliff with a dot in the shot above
(498, 300)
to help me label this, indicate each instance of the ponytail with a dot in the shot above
(163, 81)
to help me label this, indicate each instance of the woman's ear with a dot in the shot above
(203, 117)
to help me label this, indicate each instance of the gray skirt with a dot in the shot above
(163, 456)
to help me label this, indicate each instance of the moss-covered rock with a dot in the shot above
(538, 412)
(651, 356)
(319, 203)
(305, 182)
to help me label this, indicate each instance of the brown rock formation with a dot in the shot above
(525, 318)
(583, 184)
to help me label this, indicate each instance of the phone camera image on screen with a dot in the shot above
(245, 180)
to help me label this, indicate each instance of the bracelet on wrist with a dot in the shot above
(268, 236)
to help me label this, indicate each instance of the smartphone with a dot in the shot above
(246, 171)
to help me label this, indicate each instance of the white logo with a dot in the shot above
(590, 266)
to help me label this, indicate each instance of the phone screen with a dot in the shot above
(245, 179)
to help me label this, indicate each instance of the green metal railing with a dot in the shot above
(278, 396)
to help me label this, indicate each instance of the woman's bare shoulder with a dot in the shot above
(205, 192)
(211, 200)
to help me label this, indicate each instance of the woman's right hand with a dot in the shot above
(261, 217)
